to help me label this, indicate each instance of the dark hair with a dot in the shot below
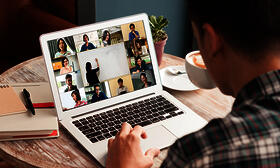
(131, 25)
(120, 80)
(136, 59)
(57, 45)
(62, 61)
(68, 76)
(104, 36)
(96, 85)
(143, 74)
(77, 93)
(88, 66)
(250, 26)
(84, 37)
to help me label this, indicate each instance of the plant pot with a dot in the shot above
(159, 46)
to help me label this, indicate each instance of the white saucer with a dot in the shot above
(177, 82)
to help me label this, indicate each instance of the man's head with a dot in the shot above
(250, 26)
(132, 27)
(68, 79)
(143, 77)
(120, 82)
(243, 29)
(85, 38)
(96, 89)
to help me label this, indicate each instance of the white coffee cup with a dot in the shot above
(199, 76)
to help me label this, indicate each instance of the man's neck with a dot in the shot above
(244, 71)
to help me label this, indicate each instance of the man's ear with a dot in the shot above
(211, 40)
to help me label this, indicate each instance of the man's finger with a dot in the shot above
(125, 129)
(152, 153)
(110, 142)
(139, 131)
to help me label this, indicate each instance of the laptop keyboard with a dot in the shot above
(107, 124)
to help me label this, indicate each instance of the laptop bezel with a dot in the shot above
(44, 38)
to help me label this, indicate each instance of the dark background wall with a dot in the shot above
(179, 29)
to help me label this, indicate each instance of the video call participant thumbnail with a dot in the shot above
(97, 95)
(77, 98)
(106, 38)
(121, 89)
(68, 81)
(66, 68)
(140, 65)
(133, 34)
(87, 45)
(145, 81)
(62, 49)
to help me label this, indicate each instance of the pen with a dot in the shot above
(28, 101)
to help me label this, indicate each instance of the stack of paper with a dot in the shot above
(43, 124)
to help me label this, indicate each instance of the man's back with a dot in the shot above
(247, 137)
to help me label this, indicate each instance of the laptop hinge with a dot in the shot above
(112, 105)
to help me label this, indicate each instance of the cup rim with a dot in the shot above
(191, 53)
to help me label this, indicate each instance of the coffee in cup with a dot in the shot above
(197, 71)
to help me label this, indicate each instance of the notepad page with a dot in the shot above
(10, 103)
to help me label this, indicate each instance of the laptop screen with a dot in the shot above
(100, 64)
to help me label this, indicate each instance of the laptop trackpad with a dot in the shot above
(158, 137)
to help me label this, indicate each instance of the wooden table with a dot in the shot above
(65, 151)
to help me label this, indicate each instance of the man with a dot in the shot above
(240, 45)
(98, 95)
(68, 81)
(133, 34)
(121, 89)
(145, 81)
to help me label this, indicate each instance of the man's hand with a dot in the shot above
(124, 150)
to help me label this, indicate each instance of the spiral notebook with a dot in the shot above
(10, 103)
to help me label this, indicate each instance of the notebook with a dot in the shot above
(43, 124)
(10, 103)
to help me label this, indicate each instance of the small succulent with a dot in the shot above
(157, 27)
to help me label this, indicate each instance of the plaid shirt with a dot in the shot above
(247, 137)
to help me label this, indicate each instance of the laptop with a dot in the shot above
(106, 73)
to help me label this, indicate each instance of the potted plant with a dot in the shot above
(157, 25)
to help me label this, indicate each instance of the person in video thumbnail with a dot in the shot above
(133, 34)
(140, 65)
(106, 39)
(91, 74)
(145, 81)
(87, 45)
(62, 49)
(77, 98)
(98, 95)
(66, 68)
(121, 89)
(70, 86)
(138, 48)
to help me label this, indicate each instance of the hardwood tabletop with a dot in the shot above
(65, 151)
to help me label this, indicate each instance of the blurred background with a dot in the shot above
(23, 21)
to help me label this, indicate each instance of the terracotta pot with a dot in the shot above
(159, 46)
